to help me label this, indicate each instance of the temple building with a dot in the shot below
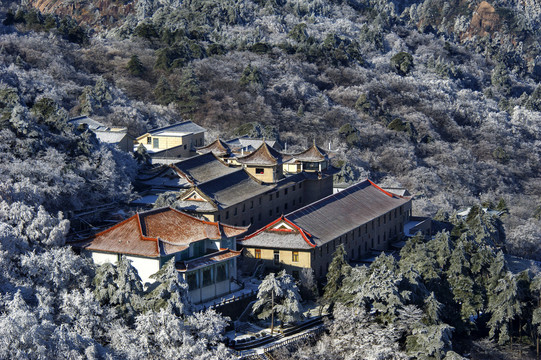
(172, 142)
(241, 200)
(362, 217)
(244, 145)
(312, 159)
(179, 176)
(204, 251)
(114, 135)
(218, 147)
(183, 174)
(229, 151)
(251, 195)
(265, 164)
